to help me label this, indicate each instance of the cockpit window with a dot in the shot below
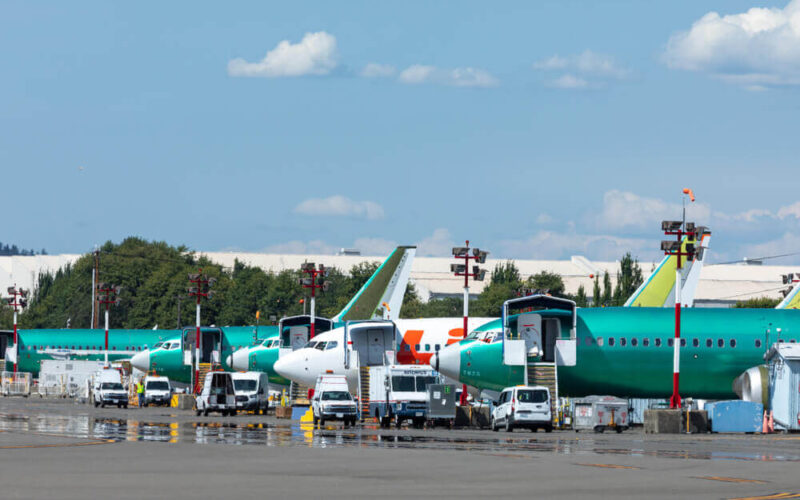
(311, 345)
(331, 345)
(321, 346)
(159, 344)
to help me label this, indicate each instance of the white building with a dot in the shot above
(720, 285)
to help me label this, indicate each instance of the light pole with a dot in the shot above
(478, 274)
(679, 229)
(108, 295)
(201, 283)
(19, 298)
(310, 281)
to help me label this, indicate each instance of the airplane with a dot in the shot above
(792, 299)
(626, 352)
(411, 341)
(305, 364)
(381, 296)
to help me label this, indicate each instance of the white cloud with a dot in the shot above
(588, 69)
(556, 245)
(456, 77)
(375, 70)
(568, 82)
(340, 206)
(623, 209)
(315, 54)
(544, 219)
(317, 247)
(755, 48)
(439, 244)
(374, 246)
(417, 74)
(788, 243)
(790, 211)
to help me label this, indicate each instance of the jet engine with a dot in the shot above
(753, 385)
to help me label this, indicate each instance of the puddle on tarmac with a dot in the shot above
(301, 434)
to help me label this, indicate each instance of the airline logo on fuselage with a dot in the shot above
(412, 339)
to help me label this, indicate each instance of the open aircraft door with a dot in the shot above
(532, 328)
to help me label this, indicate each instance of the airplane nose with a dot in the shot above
(291, 367)
(448, 362)
(141, 361)
(240, 359)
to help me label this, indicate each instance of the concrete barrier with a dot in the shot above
(662, 421)
(182, 401)
(473, 416)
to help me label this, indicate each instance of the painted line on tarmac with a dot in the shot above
(731, 479)
(57, 445)
(610, 466)
(773, 496)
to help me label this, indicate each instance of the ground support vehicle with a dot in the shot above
(332, 401)
(600, 413)
(441, 405)
(523, 406)
(217, 394)
(400, 392)
(107, 389)
(252, 391)
(157, 390)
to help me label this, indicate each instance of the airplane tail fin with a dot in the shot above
(792, 299)
(382, 294)
(658, 290)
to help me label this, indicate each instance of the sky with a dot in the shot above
(537, 130)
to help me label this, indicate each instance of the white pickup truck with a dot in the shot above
(108, 389)
(332, 400)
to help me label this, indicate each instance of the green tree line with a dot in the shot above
(153, 276)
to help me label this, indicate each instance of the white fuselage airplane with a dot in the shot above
(417, 341)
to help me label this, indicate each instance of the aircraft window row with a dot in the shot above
(418, 347)
(612, 341)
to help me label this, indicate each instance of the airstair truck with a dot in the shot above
(400, 392)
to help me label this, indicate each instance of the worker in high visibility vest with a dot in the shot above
(140, 393)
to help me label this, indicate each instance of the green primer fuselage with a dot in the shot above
(38, 345)
(644, 370)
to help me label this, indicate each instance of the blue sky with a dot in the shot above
(535, 129)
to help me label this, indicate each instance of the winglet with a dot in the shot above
(387, 285)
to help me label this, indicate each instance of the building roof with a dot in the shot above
(432, 276)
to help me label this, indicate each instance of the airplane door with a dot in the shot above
(529, 327)
(376, 347)
(298, 336)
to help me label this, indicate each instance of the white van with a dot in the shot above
(332, 400)
(217, 395)
(523, 406)
(108, 389)
(157, 390)
(252, 391)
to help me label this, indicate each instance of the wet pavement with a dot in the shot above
(29, 424)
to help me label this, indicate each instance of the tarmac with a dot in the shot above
(58, 448)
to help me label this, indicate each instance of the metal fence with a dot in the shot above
(15, 384)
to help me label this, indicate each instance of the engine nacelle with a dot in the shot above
(753, 385)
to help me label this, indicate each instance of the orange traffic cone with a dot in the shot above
(764, 424)
(771, 424)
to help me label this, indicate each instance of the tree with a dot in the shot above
(545, 280)
(628, 280)
(607, 293)
(596, 297)
(580, 297)
(757, 303)
(504, 285)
